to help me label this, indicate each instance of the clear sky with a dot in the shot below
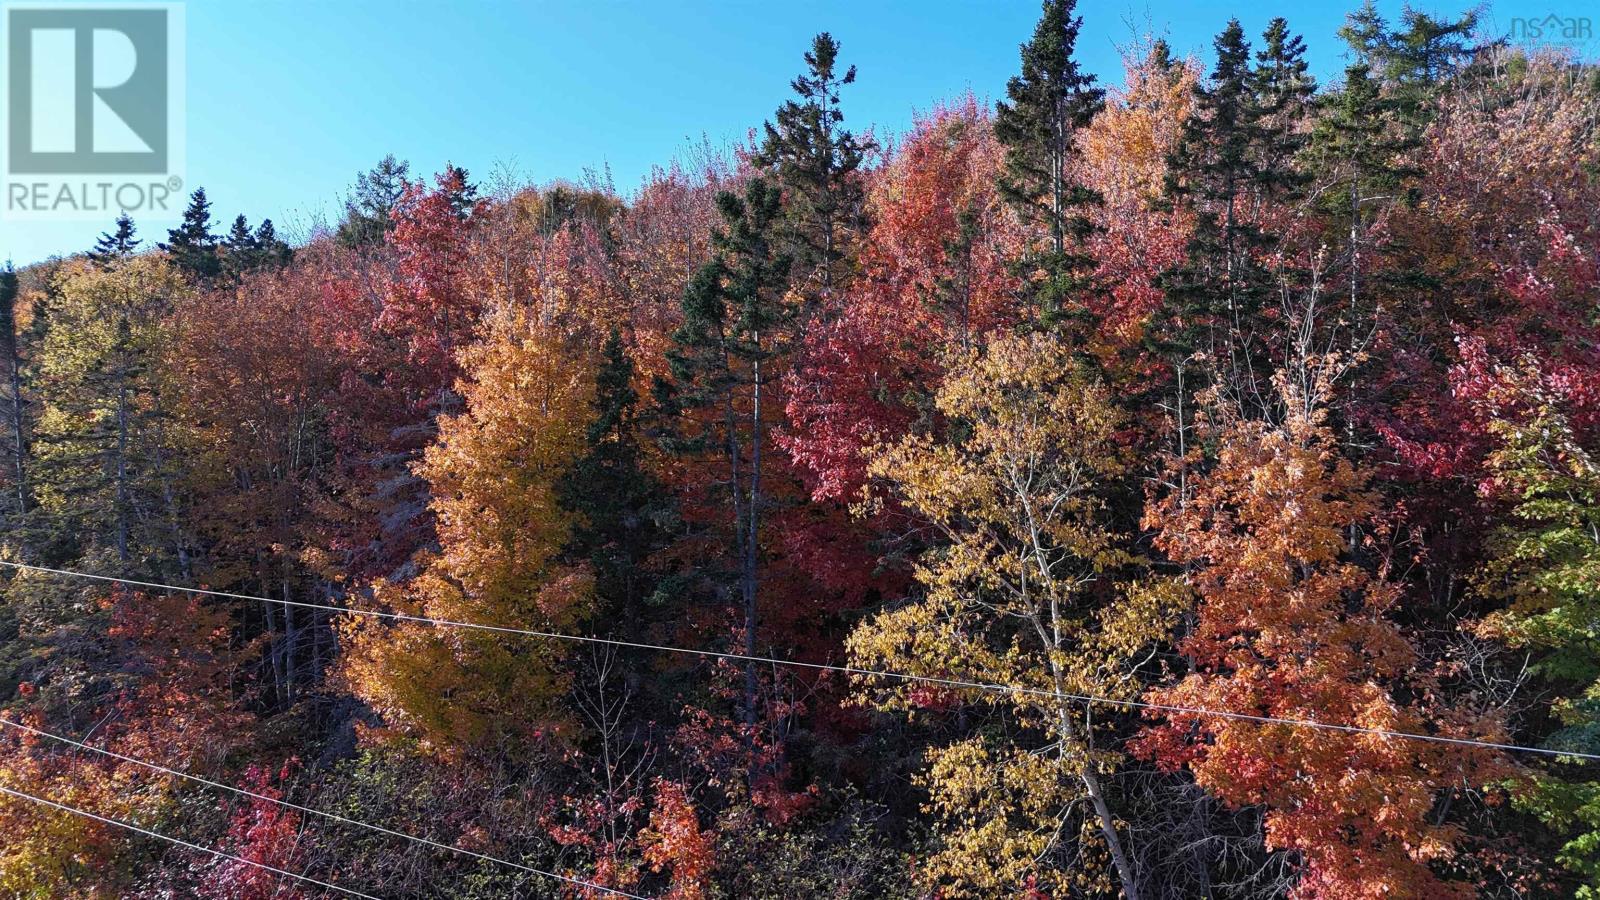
(288, 99)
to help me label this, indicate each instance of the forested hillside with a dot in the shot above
(1187, 488)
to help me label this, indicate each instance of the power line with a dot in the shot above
(847, 670)
(576, 882)
(181, 843)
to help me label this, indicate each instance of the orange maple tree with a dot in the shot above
(1294, 623)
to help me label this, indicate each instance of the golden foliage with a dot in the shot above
(1020, 590)
(494, 474)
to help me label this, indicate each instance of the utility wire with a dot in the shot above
(172, 840)
(847, 670)
(576, 882)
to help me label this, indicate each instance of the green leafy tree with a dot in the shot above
(1546, 561)
(107, 474)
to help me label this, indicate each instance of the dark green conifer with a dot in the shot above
(369, 210)
(736, 324)
(1048, 102)
(1411, 65)
(245, 251)
(1216, 297)
(271, 251)
(240, 240)
(624, 509)
(1211, 167)
(1284, 89)
(1429, 51)
(192, 245)
(118, 244)
(817, 161)
(459, 190)
(1356, 152)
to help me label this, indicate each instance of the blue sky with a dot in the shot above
(288, 99)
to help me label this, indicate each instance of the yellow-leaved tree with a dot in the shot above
(494, 475)
(109, 454)
(1027, 584)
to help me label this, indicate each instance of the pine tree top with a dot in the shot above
(815, 160)
(116, 244)
(195, 229)
(1048, 102)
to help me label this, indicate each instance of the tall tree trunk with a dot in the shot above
(274, 659)
(14, 420)
(734, 450)
(289, 640)
(1086, 772)
(1108, 827)
(1355, 239)
(748, 571)
(169, 500)
(1058, 178)
(122, 492)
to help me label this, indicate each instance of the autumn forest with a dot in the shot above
(1185, 488)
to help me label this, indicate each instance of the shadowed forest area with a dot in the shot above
(1187, 488)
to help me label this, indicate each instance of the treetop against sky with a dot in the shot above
(288, 99)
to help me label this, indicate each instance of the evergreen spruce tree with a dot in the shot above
(1428, 52)
(737, 327)
(462, 193)
(1367, 34)
(369, 209)
(1161, 56)
(1049, 101)
(1356, 150)
(192, 245)
(1411, 65)
(1284, 89)
(817, 163)
(271, 251)
(623, 508)
(1238, 153)
(239, 247)
(15, 425)
(118, 244)
(1216, 291)
(244, 251)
